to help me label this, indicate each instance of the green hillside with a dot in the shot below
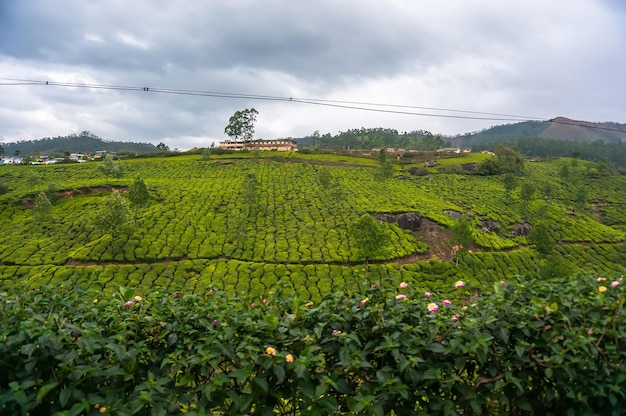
(84, 142)
(245, 224)
(559, 128)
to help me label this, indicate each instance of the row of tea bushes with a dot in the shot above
(315, 280)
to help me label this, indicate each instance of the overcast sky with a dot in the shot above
(530, 58)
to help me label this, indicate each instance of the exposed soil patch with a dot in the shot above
(438, 239)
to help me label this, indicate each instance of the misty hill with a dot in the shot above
(84, 142)
(559, 128)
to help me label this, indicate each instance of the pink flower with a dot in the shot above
(502, 282)
(129, 304)
(447, 303)
(252, 305)
(215, 322)
(432, 307)
(404, 285)
(336, 332)
(373, 286)
(601, 279)
(400, 297)
(455, 317)
(458, 284)
(427, 294)
(614, 284)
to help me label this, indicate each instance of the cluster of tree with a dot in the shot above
(612, 153)
(83, 142)
(371, 138)
(507, 160)
(502, 134)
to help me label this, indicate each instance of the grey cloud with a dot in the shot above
(522, 57)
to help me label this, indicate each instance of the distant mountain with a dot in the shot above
(84, 142)
(559, 128)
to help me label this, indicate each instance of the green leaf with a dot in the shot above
(436, 348)
(262, 383)
(64, 396)
(45, 390)
(279, 371)
(524, 405)
(172, 338)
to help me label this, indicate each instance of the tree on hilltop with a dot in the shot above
(241, 124)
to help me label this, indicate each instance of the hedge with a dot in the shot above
(551, 347)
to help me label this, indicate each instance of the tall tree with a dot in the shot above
(462, 236)
(581, 196)
(382, 156)
(564, 173)
(526, 194)
(540, 237)
(250, 193)
(114, 217)
(241, 124)
(370, 237)
(111, 168)
(510, 182)
(42, 207)
(138, 194)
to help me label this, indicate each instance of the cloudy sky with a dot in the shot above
(523, 58)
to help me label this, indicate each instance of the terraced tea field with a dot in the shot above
(201, 229)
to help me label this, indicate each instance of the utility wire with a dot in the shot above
(352, 105)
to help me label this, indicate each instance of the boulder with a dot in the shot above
(454, 214)
(409, 221)
(522, 229)
(406, 221)
(491, 226)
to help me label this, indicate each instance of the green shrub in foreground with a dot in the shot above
(527, 347)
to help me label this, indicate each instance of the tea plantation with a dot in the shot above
(241, 287)
(203, 229)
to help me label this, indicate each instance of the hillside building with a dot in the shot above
(278, 145)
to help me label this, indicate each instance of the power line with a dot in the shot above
(352, 105)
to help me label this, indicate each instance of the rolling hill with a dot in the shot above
(83, 142)
(559, 128)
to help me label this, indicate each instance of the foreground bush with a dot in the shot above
(527, 347)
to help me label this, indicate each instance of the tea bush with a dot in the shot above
(527, 346)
